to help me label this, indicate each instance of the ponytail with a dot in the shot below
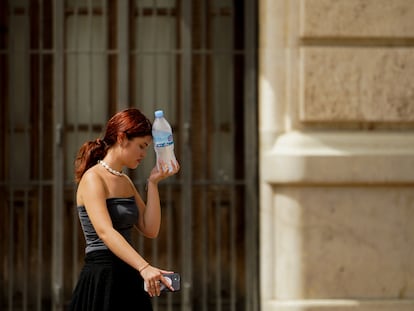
(88, 155)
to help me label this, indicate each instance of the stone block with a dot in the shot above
(340, 305)
(344, 242)
(357, 84)
(357, 19)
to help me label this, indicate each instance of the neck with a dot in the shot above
(111, 160)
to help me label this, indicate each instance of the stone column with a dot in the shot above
(336, 90)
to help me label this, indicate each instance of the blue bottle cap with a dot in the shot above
(159, 114)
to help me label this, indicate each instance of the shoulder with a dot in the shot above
(92, 175)
(131, 183)
(127, 178)
(91, 182)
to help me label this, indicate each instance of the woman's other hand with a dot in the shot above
(153, 277)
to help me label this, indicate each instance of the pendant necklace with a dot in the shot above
(110, 169)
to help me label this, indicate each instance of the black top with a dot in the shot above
(124, 215)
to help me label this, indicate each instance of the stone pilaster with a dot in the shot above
(336, 83)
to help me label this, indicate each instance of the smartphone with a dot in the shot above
(174, 279)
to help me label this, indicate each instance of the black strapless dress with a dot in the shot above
(106, 282)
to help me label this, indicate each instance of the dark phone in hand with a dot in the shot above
(174, 279)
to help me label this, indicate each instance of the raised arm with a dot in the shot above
(150, 212)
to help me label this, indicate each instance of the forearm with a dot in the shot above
(152, 213)
(122, 249)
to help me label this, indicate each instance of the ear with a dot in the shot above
(122, 139)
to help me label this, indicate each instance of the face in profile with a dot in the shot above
(135, 150)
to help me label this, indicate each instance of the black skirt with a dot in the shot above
(107, 283)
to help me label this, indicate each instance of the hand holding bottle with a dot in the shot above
(163, 143)
(162, 171)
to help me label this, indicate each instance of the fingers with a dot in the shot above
(167, 282)
(157, 288)
(176, 166)
(154, 287)
(162, 171)
(168, 170)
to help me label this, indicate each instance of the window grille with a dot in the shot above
(66, 67)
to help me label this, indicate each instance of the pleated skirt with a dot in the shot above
(107, 283)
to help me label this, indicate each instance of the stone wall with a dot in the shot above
(336, 91)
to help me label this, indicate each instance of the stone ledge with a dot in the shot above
(340, 157)
(338, 305)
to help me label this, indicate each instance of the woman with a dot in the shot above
(109, 206)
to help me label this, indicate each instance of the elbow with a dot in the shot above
(152, 234)
(104, 235)
(149, 230)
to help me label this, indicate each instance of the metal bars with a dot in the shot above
(186, 57)
(251, 154)
(123, 57)
(186, 153)
(58, 167)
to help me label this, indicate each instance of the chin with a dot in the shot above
(133, 166)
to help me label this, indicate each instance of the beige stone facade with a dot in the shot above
(336, 96)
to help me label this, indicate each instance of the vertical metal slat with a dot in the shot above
(75, 227)
(123, 57)
(204, 174)
(186, 56)
(26, 130)
(233, 246)
(58, 88)
(90, 56)
(218, 253)
(251, 161)
(40, 172)
(25, 248)
(11, 247)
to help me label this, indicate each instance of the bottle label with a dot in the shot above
(163, 139)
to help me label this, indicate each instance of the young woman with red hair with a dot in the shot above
(109, 206)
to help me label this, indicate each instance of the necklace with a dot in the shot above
(110, 169)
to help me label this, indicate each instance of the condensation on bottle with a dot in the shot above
(163, 141)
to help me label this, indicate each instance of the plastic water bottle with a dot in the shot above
(163, 141)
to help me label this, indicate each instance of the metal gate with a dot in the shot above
(65, 68)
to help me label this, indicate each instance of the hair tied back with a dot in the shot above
(100, 142)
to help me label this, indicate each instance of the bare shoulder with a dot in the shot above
(91, 177)
(91, 182)
(128, 179)
(131, 184)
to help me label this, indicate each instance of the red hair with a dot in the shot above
(130, 122)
